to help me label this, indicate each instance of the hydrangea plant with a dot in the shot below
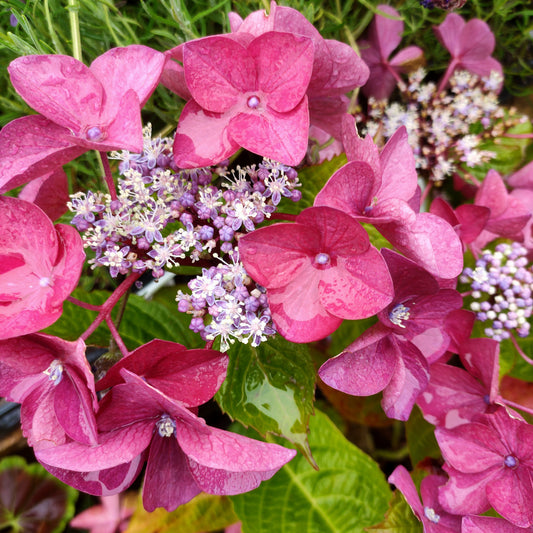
(282, 223)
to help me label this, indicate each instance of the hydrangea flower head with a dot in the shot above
(81, 108)
(490, 465)
(185, 456)
(318, 271)
(248, 93)
(52, 380)
(40, 265)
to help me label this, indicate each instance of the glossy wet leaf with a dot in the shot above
(271, 388)
(31, 500)
(347, 494)
(205, 513)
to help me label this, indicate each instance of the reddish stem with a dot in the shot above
(116, 336)
(520, 351)
(108, 176)
(107, 306)
(519, 135)
(517, 406)
(447, 75)
(85, 305)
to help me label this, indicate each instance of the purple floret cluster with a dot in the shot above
(165, 217)
(502, 287)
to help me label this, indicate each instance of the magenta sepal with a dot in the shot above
(309, 299)
(219, 462)
(40, 265)
(490, 463)
(430, 512)
(250, 95)
(190, 376)
(82, 108)
(52, 380)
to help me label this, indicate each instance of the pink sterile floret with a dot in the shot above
(381, 188)
(385, 34)
(189, 376)
(455, 396)
(245, 93)
(508, 214)
(393, 355)
(39, 267)
(337, 69)
(81, 108)
(52, 380)
(430, 512)
(185, 456)
(470, 45)
(318, 271)
(490, 464)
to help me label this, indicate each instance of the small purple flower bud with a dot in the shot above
(296, 195)
(226, 233)
(510, 461)
(186, 219)
(94, 134)
(226, 247)
(197, 325)
(253, 102)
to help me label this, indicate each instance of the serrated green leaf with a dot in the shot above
(204, 513)
(420, 438)
(312, 178)
(347, 494)
(43, 504)
(399, 518)
(145, 320)
(271, 388)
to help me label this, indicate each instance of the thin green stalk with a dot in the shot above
(57, 44)
(73, 9)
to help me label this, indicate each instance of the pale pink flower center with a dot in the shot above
(166, 426)
(94, 134)
(55, 372)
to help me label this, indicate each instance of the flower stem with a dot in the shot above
(73, 9)
(107, 175)
(106, 308)
(520, 351)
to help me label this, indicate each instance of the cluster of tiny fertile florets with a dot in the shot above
(225, 302)
(165, 217)
(446, 129)
(502, 288)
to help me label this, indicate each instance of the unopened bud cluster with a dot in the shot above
(502, 288)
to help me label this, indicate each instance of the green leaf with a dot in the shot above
(204, 513)
(145, 320)
(312, 179)
(399, 518)
(347, 494)
(512, 363)
(271, 388)
(421, 438)
(31, 500)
